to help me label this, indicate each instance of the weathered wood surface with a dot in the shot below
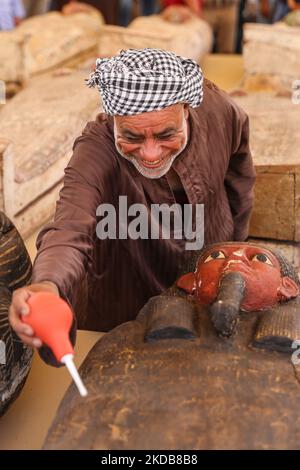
(41, 123)
(275, 145)
(209, 393)
(47, 41)
(192, 39)
(15, 271)
(272, 50)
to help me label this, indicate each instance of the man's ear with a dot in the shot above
(187, 282)
(288, 289)
(186, 110)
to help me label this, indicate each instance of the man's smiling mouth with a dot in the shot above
(154, 164)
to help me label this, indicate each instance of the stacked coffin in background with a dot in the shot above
(44, 42)
(175, 30)
(272, 51)
(271, 61)
(275, 146)
(37, 131)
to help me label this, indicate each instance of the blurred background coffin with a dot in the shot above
(186, 35)
(275, 146)
(38, 128)
(272, 50)
(44, 42)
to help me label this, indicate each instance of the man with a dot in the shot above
(11, 14)
(167, 137)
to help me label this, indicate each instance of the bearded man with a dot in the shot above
(167, 136)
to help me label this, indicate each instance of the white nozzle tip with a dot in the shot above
(68, 361)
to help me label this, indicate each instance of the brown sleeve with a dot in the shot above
(240, 177)
(65, 246)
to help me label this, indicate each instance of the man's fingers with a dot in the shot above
(33, 342)
(17, 324)
(20, 297)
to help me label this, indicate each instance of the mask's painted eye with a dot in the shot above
(262, 258)
(215, 255)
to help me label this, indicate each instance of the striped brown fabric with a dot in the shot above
(15, 272)
(215, 169)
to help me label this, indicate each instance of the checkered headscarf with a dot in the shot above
(141, 80)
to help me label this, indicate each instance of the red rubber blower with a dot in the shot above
(51, 319)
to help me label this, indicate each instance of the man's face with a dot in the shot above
(152, 141)
(264, 285)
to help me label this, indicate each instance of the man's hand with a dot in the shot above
(20, 307)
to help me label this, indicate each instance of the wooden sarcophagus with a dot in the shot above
(209, 364)
(272, 51)
(38, 127)
(275, 147)
(15, 272)
(185, 35)
(45, 42)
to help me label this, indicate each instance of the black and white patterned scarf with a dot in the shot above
(142, 80)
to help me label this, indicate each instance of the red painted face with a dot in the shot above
(259, 267)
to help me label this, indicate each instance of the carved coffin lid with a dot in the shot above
(46, 41)
(42, 122)
(206, 393)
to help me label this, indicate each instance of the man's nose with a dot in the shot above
(150, 151)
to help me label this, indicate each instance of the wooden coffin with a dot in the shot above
(208, 392)
(272, 50)
(47, 41)
(275, 146)
(192, 38)
(15, 272)
(37, 131)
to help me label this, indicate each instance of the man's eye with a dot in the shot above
(262, 258)
(165, 137)
(215, 255)
(133, 140)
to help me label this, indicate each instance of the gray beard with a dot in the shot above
(154, 173)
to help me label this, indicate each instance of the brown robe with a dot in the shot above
(215, 169)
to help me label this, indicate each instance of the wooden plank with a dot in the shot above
(274, 213)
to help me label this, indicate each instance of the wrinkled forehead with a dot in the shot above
(238, 250)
